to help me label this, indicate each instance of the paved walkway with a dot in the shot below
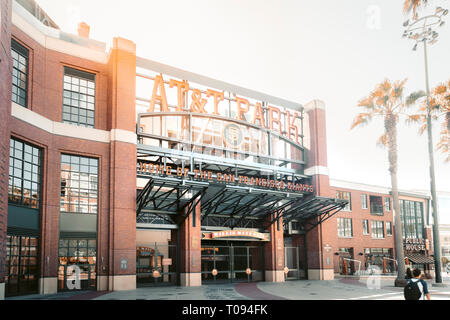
(338, 289)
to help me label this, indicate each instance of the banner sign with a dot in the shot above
(252, 235)
(221, 177)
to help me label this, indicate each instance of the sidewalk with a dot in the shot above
(338, 289)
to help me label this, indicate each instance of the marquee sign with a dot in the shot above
(222, 177)
(270, 117)
(415, 244)
(250, 235)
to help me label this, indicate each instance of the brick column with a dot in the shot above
(5, 115)
(122, 123)
(274, 252)
(190, 237)
(319, 240)
(48, 281)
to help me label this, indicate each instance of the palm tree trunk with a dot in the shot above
(447, 118)
(390, 126)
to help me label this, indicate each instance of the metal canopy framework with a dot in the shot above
(172, 200)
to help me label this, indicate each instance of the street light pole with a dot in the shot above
(436, 238)
(425, 33)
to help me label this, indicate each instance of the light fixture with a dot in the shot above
(432, 42)
(445, 12)
(438, 9)
(441, 24)
(405, 24)
(415, 47)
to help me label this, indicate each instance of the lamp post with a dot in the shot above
(421, 30)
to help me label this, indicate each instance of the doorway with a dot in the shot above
(156, 265)
(234, 262)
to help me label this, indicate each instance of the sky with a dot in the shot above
(335, 51)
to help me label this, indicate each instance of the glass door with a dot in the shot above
(156, 264)
(22, 265)
(77, 264)
(232, 263)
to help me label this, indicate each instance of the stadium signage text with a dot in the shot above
(221, 177)
(198, 104)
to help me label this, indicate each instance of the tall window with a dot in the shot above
(24, 186)
(79, 97)
(345, 196)
(377, 229)
(388, 228)
(365, 227)
(19, 73)
(376, 205)
(79, 184)
(387, 204)
(345, 229)
(411, 213)
(364, 201)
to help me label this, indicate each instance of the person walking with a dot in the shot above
(408, 274)
(416, 288)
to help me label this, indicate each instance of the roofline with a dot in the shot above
(217, 84)
(377, 189)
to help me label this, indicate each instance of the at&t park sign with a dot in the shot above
(221, 177)
(287, 128)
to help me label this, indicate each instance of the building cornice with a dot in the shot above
(54, 39)
(69, 130)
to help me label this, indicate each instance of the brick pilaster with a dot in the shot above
(320, 261)
(5, 116)
(122, 119)
(274, 252)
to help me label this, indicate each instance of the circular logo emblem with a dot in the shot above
(214, 272)
(248, 271)
(286, 270)
(156, 274)
(232, 135)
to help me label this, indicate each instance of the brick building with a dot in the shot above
(125, 172)
(365, 229)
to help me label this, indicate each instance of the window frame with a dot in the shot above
(365, 223)
(389, 234)
(364, 202)
(83, 103)
(387, 200)
(35, 160)
(80, 180)
(341, 195)
(24, 52)
(375, 206)
(375, 227)
(345, 224)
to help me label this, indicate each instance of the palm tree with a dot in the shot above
(439, 106)
(413, 5)
(386, 101)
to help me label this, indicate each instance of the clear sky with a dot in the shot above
(298, 50)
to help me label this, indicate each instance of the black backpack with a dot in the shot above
(412, 291)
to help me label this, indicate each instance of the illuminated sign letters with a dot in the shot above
(283, 126)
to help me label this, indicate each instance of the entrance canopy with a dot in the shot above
(170, 200)
(419, 258)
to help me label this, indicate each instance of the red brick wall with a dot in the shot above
(52, 147)
(46, 72)
(5, 115)
(274, 249)
(359, 241)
